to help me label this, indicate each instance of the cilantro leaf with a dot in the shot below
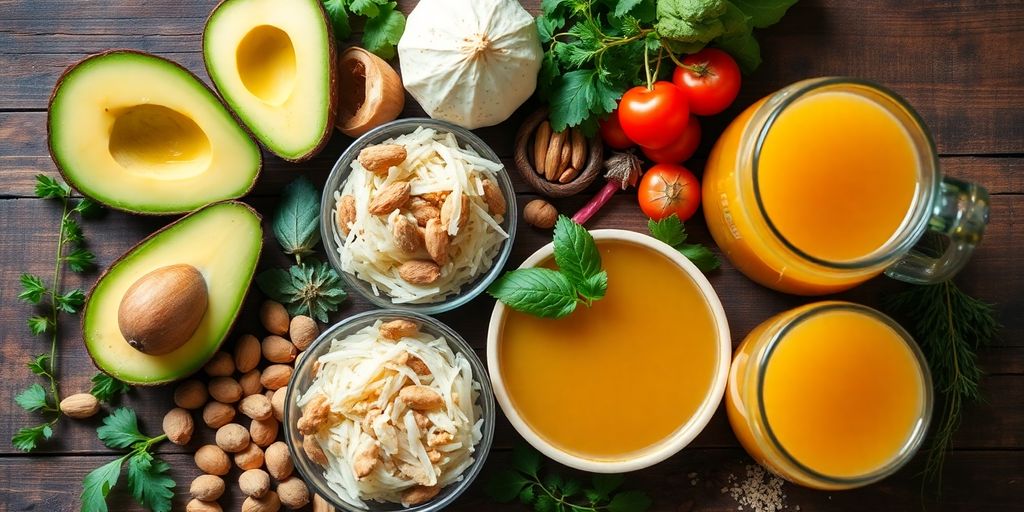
(80, 260)
(297, 220)
(701, 256)
(669, 230)
(70, 302)
(577, 257)
(538, 291)
(149, 483)
(32, 289)
(120, 429)
(32, 398)
(506, 486)
(51, 188)
(383, 31)
(526, 460)
(545, 503)
(105, 387)
(763, 13)
(38, 324)
(629, 501)
(28, 438)
(38, 364)
(97, 484)
(579, 95)
(72, 230)
(339, 19)
(368, 8)
(88, 208)
(605, 484)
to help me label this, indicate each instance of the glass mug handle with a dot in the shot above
(960, 214)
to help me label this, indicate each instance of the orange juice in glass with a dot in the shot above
(830, 395)
(830, 182)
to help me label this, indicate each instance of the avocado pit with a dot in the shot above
(162, 310)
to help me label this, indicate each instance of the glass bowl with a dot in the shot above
(339, 174)
(312, 473)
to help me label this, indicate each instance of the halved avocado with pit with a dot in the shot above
(273, 63)
(222, 243)
(142, 134)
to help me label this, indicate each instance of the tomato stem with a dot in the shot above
(647, 69)
(697, 70)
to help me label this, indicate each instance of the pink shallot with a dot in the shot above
(623, 172)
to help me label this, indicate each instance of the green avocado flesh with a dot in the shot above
(273, 64)
(223, 241)
(141, 134)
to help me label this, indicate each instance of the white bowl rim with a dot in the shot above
(666, 447)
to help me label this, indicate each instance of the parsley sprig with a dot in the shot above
(671, 231)
(555, 293)
(148, 476)
(383, 28)
(71, 252)
(547, 491)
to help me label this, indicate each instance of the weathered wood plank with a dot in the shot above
(692, 481)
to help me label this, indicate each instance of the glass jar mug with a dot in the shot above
(832, 181)
(831, 395)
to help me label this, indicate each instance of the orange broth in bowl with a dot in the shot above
(613, 380)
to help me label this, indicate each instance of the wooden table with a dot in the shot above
(959, 63)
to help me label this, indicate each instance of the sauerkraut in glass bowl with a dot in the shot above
(418, 214)
(389, 410)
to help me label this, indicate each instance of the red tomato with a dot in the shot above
(612, 134)
(711, 83)
(666, 189)
(681, 150)
(654, 118)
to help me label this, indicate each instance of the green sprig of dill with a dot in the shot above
(950, 326)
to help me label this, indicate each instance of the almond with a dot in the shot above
(568, 175)
(274, 317)
(225, 389)
(422, 210)
(196, 505)
(249, 458)
(216, 414)
(554, 155)
(232, 438)
(540, 146)
(321, 505)
(421, 398)
(398, 329)
(278, 460)
(247, 353)
(263, 432)
(268, 503)
(250, 383)
(566, 157)
(277, 404)
(313, 450)
(579, 150)
(346, 214)
(419, 494)
(419, 272)
(436, 241)
(211, 459)
(178, 426)
(303, 331)
(80, 406)
(494, 198)
(393, 196)
(278, 350)
(381, 158)
(207, 487)
(256, 407)
(448, 210)
(407, 237)
(254, 482)
(190, 394)
(293, 492)
(220, 365)
(276, 376)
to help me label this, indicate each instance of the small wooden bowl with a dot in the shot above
(524, 148)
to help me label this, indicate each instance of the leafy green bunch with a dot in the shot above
(382, 30)
(598, 49)
(309, 287)
(148, 478)
(555, 293)
(547, 491)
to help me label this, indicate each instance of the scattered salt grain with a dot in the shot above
(759, 491)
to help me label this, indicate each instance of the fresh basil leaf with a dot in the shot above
(383, 31)
(297, 220)
(120, 429)
(577, 257)
(538, 291)
(669, 230)
(763, 13)
(149, 482)
(32, 398)
(97, 485)
(701, 256)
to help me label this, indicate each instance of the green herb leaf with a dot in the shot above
(527, 496)
(70, 302)
(339, 19)
(276, 283)
(105, 387)
(571, 487)
(120, 429)
(88, 208)
(50, 188)
(38, 364)
(545, 503)
(297, 220)
(579, 95)
(537, 291)
(32, 289)
(97, 485)
(629, 501)
(28, 438)
(526, 460)
(80, 260)
(763, 13)
(623, 7)
(577, 257)
(701, 256)
(39, 324)
(72, 231)
(149, 483)
(312, 289)
(671, 231)
(506, 486)
(383, 31)
(744, 48)
(32, 398)
(605, 484)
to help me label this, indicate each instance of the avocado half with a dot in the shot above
(142, 134)
(223, 242)
(274, 64)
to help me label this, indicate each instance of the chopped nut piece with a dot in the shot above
(398, 329)
(314, 416)
(494, 198)
(365, 459)
(421, 398)
(438, 438)
(419, 494)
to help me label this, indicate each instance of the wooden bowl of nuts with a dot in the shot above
(556, 164)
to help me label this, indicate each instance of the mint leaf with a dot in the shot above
(32, 398)
(50, 188)
(383, 31)
(105, 387)
(28, 438)
(339, 19)
(149, 483)
(580, 95)
(669, 230)
(763, 13)
(701, 256)
(506, 485)
(120, 429)
(538, 291)
(32, 289)
(577, 257)
(38, 324)
(70, 302)
(97, 484)
(296, 222)
(630, 501)
(38, 364)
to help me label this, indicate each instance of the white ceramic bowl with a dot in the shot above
(671, 444)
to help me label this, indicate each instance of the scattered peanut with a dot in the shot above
(313, 450)
(393, 196)
(80, 406)
(274, 317)
(540, 213)
(256, 407)
(225, 389)
(220, 365)
(190, 394)
(178, 426)
(303, 331)
(263, 432)
(293, 492)
(419, 494)
(254, 482)
(216, 414)
(421, 398)
(398, 329)
(249, 458)
(207, 487)
(417, 365)
(250, 383)
(247, 353)
(380, 158)
(277, 404)
(278, 460)
(346, 213)
(211, 459)
(268, 503)
(419, 272)
(276, 376)
(278, 350)
(494, 198)
(232, 438)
